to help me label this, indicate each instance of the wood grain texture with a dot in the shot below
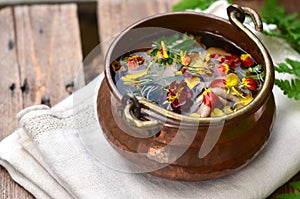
(10, 97)
(40, 55)
(18, 2)
(115, 15)
(49, 51)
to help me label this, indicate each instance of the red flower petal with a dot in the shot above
(218, 83)
(247, 60)
(250, 83)
(223, 69)
(210, 99)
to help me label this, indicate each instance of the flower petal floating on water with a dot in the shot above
(232, 80)
(134, 76)
(229, 82)
(135, 61)
(250, 83)
(218, 83)
(192, 82)
(217, 113)
(164, 50)
(210, 99)
(247, 60)
(178, 96)
(223, 69)
(243, 102)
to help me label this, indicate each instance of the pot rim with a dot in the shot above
(258, 101)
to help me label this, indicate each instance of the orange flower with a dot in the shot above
(223, 69)
(247, 60)
(135, 61)
(231, 81)
(250, 83)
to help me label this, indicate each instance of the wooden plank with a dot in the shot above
(18, 2)
(115, 15)
(49, 52)
(41, 55)
(10, 97)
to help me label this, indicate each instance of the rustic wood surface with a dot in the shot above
(18, 2)
(31, 39)
(40, 63)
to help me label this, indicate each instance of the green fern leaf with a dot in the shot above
(292, 67)
(289, 88)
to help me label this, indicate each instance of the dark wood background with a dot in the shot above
(42, 48)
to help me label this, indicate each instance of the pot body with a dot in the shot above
(238, 143)
(239, 139)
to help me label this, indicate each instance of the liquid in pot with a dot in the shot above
(198, 75)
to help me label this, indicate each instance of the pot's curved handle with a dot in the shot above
(132, 112)
(236, 16)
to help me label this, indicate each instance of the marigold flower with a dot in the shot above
(135, 61)
(247, 60)
(250, 83)
(231, 81)
(223, 69)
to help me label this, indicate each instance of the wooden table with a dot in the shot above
(41, 58)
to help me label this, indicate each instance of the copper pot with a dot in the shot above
(180, 147)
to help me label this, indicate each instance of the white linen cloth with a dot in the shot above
(49, 157)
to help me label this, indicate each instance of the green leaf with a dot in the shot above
(289, 88)
(296, 185)
(184, 46)
(289, 196)
(288, 25)
(293, 67)
(192, 4)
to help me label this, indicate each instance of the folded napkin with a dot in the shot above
(62, 153)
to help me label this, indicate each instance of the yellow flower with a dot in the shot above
(232, 80)
(244, 101)
(217, 112)
(192, 82)
(165, 50)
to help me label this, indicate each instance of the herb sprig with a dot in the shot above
(290, 88)
(288, 25)
(288, 28)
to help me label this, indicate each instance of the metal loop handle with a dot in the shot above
(132, 112)
(135, 105)
(237, 15)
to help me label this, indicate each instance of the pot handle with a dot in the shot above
(236, 15)
(132, 111)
